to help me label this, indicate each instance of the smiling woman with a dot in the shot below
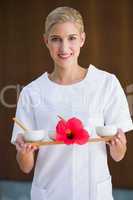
(64, 42)
(94, 96)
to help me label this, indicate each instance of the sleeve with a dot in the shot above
(116, 109)
(24, 113)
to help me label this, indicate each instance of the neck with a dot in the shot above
(68, 75)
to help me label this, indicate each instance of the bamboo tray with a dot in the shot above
(53, 142)
(42, 143)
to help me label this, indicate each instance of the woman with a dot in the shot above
(71, 172)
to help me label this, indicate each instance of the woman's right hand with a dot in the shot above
(25, 154)
(22, 146)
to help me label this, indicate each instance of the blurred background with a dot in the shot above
(24, 57)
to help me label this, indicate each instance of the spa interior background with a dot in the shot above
(23, 57)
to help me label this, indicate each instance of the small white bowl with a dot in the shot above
(106, 130)
(34, 135)
(52, 134)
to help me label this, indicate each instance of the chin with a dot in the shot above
(64, 65)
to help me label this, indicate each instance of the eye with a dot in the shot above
(72, 38)
(55, 39)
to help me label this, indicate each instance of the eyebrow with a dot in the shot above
(52, 36)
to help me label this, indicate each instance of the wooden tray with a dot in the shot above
(98, 139)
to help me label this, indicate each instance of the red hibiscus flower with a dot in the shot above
(71, 131)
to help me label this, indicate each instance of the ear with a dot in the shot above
(83, 36)
(45, 39)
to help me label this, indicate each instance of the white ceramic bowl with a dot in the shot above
(51, 134)
(34, 135)
(106, 130)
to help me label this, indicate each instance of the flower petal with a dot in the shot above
(69, 141)
(61, 127)
(82, 137)
(59, 137)
(74, 124)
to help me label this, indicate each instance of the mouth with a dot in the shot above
(64, 56)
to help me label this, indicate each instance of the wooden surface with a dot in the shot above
(91, 140)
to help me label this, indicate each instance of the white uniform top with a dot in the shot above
(73, 172)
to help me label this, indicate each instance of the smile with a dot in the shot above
(65, 56)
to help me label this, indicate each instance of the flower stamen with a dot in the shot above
(69, 134)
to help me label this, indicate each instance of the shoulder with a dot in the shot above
(35, 85)
(103, 76)
(101, 73)
(108, 84)
(35, 89)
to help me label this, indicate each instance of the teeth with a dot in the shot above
(64, 56)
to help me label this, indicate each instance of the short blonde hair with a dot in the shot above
(61, 15)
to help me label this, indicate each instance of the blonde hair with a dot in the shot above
(61, 15)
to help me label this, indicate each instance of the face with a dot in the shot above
(64, 42)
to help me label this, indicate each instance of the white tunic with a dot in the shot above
(73, 172)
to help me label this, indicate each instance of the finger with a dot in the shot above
(18, 148)
(112, 142)
(119, 130)
(27, 147)
(34, 148)
(24, 148)
(115, 141)
(22, 145)
(118, 142)
(122, 137)
(119, 145)
(30, 148)
(19, 144)
(20, 139)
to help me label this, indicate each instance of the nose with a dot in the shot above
(64, 46)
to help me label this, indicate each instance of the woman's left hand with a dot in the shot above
(118, 146)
